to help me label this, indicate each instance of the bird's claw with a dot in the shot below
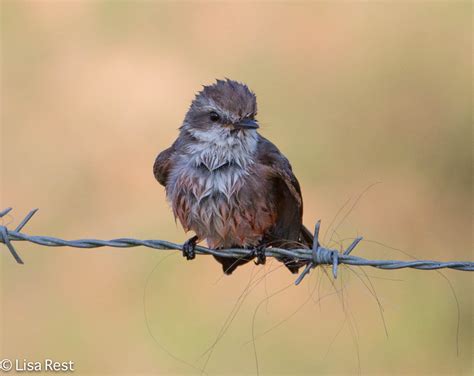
(259, 253)
(188, 248)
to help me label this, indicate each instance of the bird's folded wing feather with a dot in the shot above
(286, 191)
(164, 162)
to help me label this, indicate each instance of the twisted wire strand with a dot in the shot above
(317, 255)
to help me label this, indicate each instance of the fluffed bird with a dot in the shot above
(228, 184)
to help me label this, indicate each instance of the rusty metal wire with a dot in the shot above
(317, 255)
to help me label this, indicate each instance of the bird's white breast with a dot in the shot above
(206, 181)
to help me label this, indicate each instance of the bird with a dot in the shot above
(227, 183)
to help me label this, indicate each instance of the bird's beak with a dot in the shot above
(246, 124)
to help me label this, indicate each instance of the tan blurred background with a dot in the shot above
(353, 93)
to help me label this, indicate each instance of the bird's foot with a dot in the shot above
(188, 248)
(259, 253)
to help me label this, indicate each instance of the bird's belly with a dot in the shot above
(228, 209)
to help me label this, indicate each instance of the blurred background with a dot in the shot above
(353, 93)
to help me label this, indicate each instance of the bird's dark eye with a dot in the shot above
(214, 116)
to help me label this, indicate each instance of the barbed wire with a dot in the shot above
(317, 255)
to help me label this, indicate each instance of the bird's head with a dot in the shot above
(226, 107)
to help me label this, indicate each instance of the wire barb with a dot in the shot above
(6, 239)
(324, 256)
(317, 255)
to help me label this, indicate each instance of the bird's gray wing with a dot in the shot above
(164, 162)
(285, 192)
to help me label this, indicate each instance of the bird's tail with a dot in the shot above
(305, 240)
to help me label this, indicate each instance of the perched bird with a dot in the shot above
(229, 184)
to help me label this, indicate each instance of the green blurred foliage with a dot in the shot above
(352, 92)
